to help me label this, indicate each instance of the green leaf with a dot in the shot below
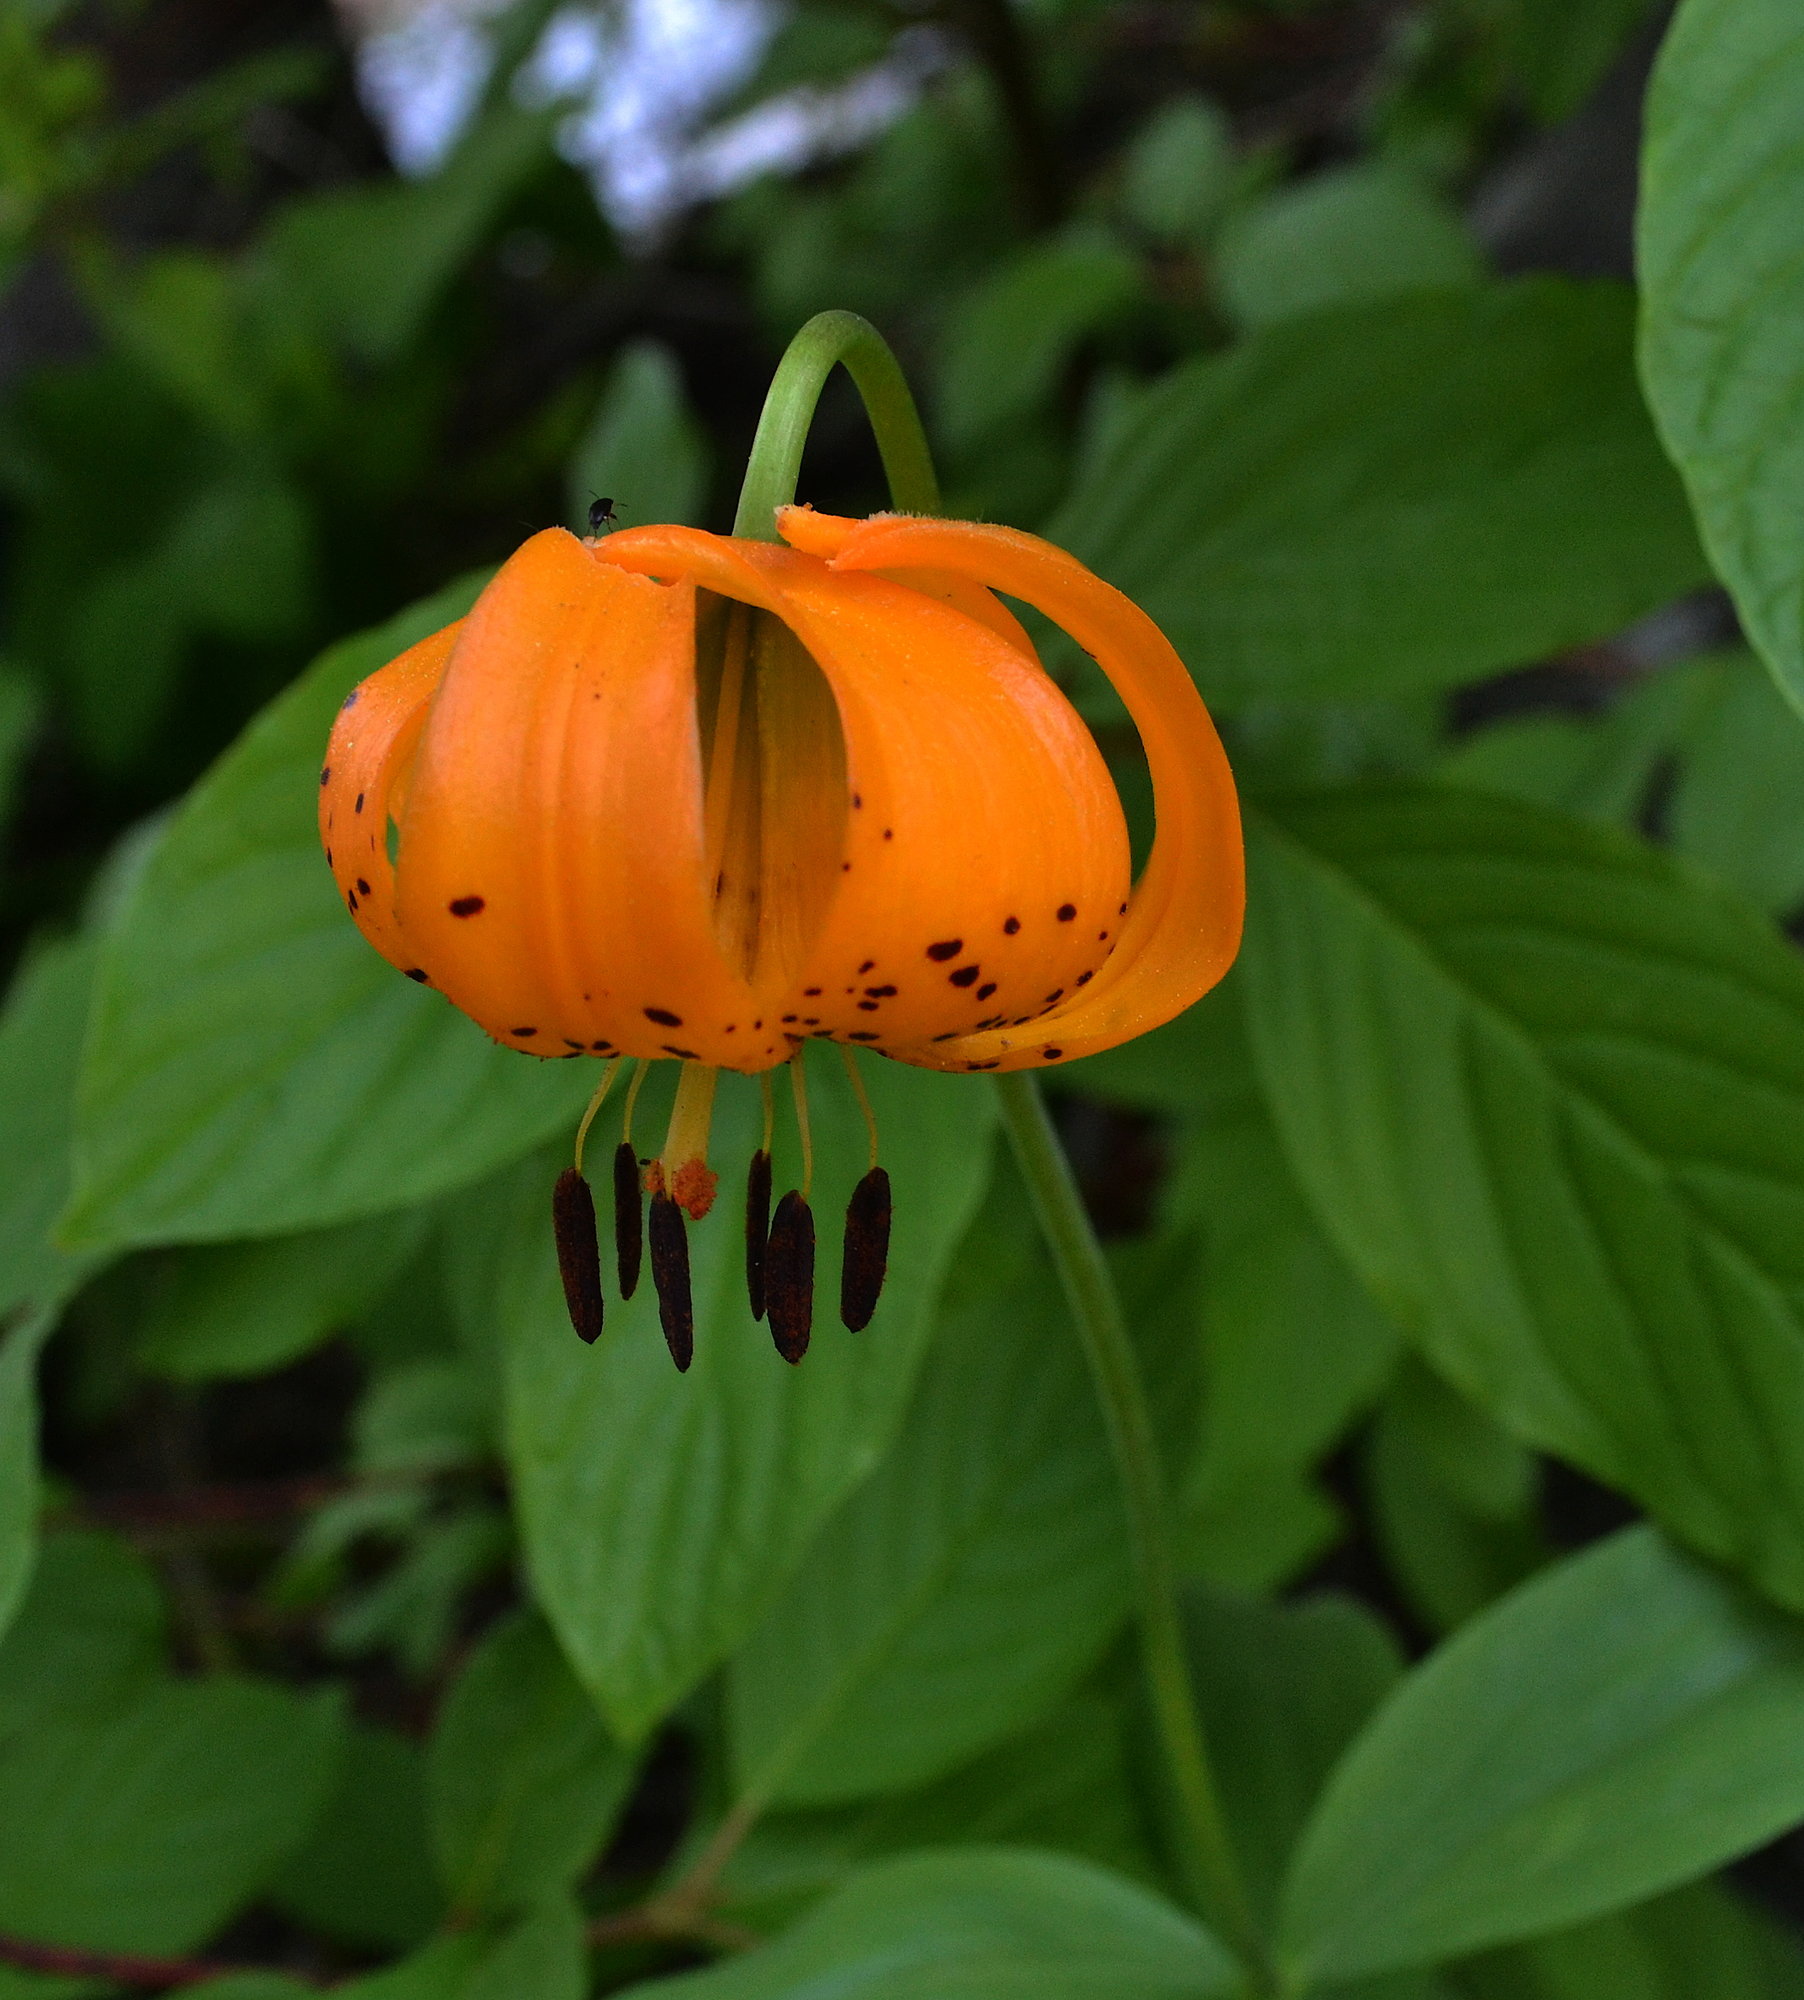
(1346, 237)
(365, 1874)
(1393, 498)
(253, 1068)
(19, 1346)
(1178, 172)
(1700, 1943)
(1293, 1346)
(1009, 341)
(1738, 804)
(523, 1781)
(366, 266)
(424, 1417)
(643, 448)
(1283, 1689)
(21, 717)
(1455, 1502)
(661, 1512)
(541, 1957)
(1622, 1723)
(144, 1828)
(970, 1581)
(88, 1635)
(1545, 1087)
(977, 1924)
(1722, 295)
(241, 1308)
(1561, 49)
(40, 1052)
(1603, 767)
(1064, 1783)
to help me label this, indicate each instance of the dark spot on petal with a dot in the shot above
(328, 857)
(350, 700)
(791, 1017)
(522, 1032)
(757, 1024)
(845, 868)
(966, 975)
(951, 1035)
(867, 1006)
(997, 1064)
(1084, 978)
(577, 1046)
(731, 1028)
(358, 807)
(1123, 910)
(986, 989)
(1102, 937)
(600, 1046)
(881, 992)
(325, 777)
(861, 1035)
(946, 948)
(417, 972)
(811, 1020)
(1066, 912)
(889, 833)
(811, 992)
(351, 901)
(1011, 926)
(857, 802)
(466, 906)
(866, 966)
(1057, 993)
(664, 1017)
(671, 1049)
(363, 888)
(1051, 1055)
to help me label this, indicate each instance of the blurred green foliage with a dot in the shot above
(359, 1628)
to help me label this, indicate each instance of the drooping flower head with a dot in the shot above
(673, 795)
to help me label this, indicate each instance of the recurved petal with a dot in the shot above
(824, 535)
(362, 787)
(984, 865)
(551, 868)
(1183, 924)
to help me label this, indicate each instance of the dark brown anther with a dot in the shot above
(789, 1276)
(628, 1219)
(670, 1273)
(757, 1229)
(578, 1258)
(867, 1250)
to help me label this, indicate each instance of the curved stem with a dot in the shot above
(1090, 1293)
(775, 464)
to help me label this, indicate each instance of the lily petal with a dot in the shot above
(554, 877)
(985, 858)
(1184, 921)
(363, 787)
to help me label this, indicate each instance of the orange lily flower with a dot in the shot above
(673, 794)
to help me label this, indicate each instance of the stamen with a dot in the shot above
(757, 1228)
(686, 1176)
(578, 1257)
(670, 1273)
(789, 1276)
(608, 1070)
(866, 1260)
(629, 1217)
(632, 1099)
(864, 1101)
(798, 1083)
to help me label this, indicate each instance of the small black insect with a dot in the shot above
(602, 515)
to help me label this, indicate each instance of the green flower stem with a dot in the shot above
(772, 471)
(775, 464)
(1095, 1306)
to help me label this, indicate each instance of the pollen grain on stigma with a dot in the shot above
(722, 814)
